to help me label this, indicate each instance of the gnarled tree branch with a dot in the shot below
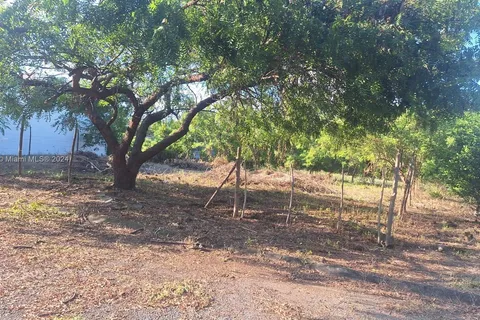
(106, 132)
(167, 141)
(143, 129)
(163, 89)
(115, 113)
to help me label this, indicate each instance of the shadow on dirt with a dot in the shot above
(172, 214)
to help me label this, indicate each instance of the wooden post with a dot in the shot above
(412, 184)
(72, 154)
(78, 138)
(20, 146)
(292, 189)
(380, 209)
(220, 186)
(391, 208)
(30, 142)
(339, 221)
(403, 204)
(373, 174)
(244, 191)
(407, 188)
(238, 172)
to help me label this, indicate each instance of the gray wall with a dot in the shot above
(45, 140)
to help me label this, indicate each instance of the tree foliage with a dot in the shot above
(305, 63)
(229, 125)
(454, 154)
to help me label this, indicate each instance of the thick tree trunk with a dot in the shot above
(124, 177)
(125, 172)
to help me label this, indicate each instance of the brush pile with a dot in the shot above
(304, 181)
(90, 162)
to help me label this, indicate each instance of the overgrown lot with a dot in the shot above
(86, 251)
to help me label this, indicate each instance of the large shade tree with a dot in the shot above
(305, 61)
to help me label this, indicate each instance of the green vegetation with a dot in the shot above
(278, 74)
(468, 283)
(23, 209)
(454, 155)
(371, 87)
(446, 155)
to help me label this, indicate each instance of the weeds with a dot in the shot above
(468, 283)
(186, 293)
(251, 242)
(333, 244)
(436, 194)
(462, 253)
(436, 191)
(448, 225)
(22, 209)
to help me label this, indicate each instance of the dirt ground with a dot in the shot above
(86, 251)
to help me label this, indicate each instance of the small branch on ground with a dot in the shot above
(251, 230)
(178, 243)
(137, 231)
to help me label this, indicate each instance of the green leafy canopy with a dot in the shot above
(307, 63)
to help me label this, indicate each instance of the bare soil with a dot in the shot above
(87, 251)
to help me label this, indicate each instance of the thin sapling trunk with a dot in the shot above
(292, 190)
(244, 191)
(238, 166)
(20, 146)
(380, 210)
(340, 212)
(391, 208)
(72, 153)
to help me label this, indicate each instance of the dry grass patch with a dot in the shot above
(25, 210)
(99, 261)
(185, 293)
(467, 283)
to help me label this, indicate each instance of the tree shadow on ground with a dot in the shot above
(166, 213)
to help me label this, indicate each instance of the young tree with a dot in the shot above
(393, 197)
(364, 61)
